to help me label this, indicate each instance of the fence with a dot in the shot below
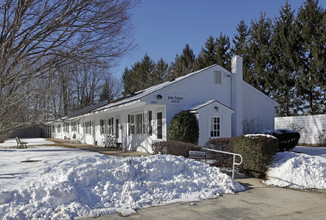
(312, 128)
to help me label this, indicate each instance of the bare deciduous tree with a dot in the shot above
(37, 37)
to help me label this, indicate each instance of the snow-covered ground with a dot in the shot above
(304, 168)
(45, 182)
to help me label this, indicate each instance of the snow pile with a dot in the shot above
(299, 170)
(260, 135)
(97, 185)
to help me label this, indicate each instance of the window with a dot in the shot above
(218, 77)
(150, 116)
(66, 127)
(131, 122)
(139, 124)
(59, 128)
(117, 128)
(73, 126)
(215, 127)
(88, 127)
(110, 126)
(159, 125)
(102, 126)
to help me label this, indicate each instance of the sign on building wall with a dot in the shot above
(168, 99)
(175, 99)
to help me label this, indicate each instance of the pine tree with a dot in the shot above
(216, 51)
(284, 53)
(259, 72)
(182, 64)
(207, 55)
(240, 46)
(223, 51)
(310, 74)
(159, 72)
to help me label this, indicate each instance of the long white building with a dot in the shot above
(223, 103)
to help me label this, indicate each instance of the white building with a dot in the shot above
(223, 103)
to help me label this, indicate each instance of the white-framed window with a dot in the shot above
(139, 124)
(110, 126)
(59, 128)
(159, 119)
(136, 124)
(150, 118)
(102, 126)
(73, 126)
(215, 127)
(88, 127)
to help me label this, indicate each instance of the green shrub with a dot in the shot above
(287, 139)
(184, 128)
(174, 147)
(223, 144)
(257, 152)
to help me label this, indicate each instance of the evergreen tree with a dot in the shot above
(182, 64)
(240, 45)
(216, 51)
(310, 74)
(144, 74)
(223, 51)
(260, 74)
(160, 71)
(284, 57)
(207, 55)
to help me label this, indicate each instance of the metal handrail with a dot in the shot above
(225, 152)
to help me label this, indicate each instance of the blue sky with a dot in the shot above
(162, 28)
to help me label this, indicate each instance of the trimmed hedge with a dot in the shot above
(223, 144)
(288, 139)
(184, 128)
(174, 147)
(257, 152)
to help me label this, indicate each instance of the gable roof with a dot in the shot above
(142, 93)
(208, 103)
(260, 93)
(88, 109)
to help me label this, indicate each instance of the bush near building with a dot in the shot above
(287, 139)
(184, 128)
(223, 144)
(257, 151)
(177, 148)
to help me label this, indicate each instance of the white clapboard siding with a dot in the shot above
(312, 128)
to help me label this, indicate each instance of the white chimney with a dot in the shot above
(237, 95)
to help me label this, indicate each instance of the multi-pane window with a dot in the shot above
(159, 125)
(110, 126)
(117, 128)
(88, 127)
(150, 117)
(139, 124)
(131, 122)
(215, 127)
(102, 126)
(73, 126)
(59, 128)
(66, 127)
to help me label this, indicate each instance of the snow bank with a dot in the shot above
(260, 135)
(298, 170)
(97, 185)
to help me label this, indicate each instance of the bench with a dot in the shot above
(197, 155)
(21, 144)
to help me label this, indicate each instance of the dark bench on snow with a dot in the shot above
(21, 144)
